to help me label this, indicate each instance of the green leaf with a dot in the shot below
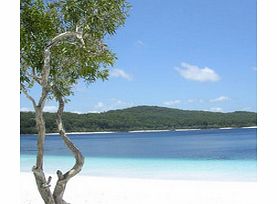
(41, 21)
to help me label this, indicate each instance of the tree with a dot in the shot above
(62, 42)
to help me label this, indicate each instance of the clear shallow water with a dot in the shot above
(193, 155)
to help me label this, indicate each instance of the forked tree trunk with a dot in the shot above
(79, 159)
(43, 185)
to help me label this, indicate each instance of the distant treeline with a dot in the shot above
(140, 118)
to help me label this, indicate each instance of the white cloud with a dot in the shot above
(139, 43)
(220, 99)
(99, 105)
(50, 109)
(172, 103)
(45, 109)
(110, 105)
(191, 100)
(119, 104)
(248, 109)
(120, 73)
(216, 109)
(78, 112)
(95, 111)
(195, 73)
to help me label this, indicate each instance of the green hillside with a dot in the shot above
(140, 118)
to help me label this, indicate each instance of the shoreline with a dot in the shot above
(98, 190)
(142, 131)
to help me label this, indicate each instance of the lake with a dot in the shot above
(213, 154)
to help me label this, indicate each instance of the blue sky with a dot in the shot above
(187, 54)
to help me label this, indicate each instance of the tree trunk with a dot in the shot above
(79, 159)
(42, 185)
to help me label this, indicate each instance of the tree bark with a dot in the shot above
(79, 159)
(42, 185)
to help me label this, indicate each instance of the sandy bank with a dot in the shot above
(102, 190)
(138, 131)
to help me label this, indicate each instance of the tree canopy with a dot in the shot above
(75, 32)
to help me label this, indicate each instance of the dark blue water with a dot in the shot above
(216, 144)
(216, 154)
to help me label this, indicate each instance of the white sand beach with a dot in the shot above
(138, 131)
(111, 190)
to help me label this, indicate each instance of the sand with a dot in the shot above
(113, 190)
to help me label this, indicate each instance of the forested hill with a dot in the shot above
(140, 118)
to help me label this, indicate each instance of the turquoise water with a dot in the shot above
(228, 170)
(219, 155)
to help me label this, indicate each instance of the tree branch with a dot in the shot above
(43, 97)
(29, 97)
(67, 34)
(46, 67)
(77, 154)
(34, 77)
(79, 159)
(47, 53)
